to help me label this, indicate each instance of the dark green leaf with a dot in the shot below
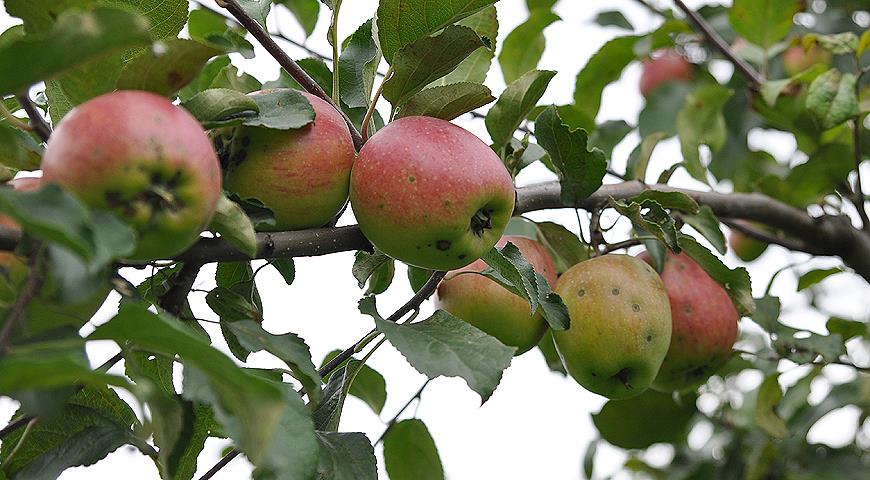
(210, 28)
(346, 456)
(639, 158)
(446, 345)
(475, 68)
(524, 46)
(418, 277)
(85, 36)
(763, 22)
(580, 169)
(366, 264)
(328, 412)
(589, 458)
(670, 200)
(286, 267)
(282, 110)
(168, 67)
(650, 217)
(515, 104)
(427, 60)
(548, 349)
(446, 101)
(230, 78)
(410, 452)
(18, 149)
(847, 329)
(357, 66)
(813, 277)
(613, 18)
(564, 246)
(221, 107)
(651, 417)
(766, 415)
(231, 222)
(608, 135)
(706, 223)
(403, 22)
(368, 385)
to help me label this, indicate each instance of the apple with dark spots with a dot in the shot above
(704, 324)
(143, 158)
(796, 59)
(46, 311)
(302, 175)
(492, 308)
(620, 325)
(430, 193)
(667, 66)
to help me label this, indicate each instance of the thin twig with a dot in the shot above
(753, 78)
(13, 120)
(37, 121)
(402, 410)
(31, 288)
(631, 242)
(287, 63)
(221, 464)
(858, 194)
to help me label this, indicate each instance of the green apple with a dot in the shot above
(302, 175)
(143, 158)
(620, 325)
(704, 325)
(430, 193)
(492, 308)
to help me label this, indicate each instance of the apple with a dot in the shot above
(746, 248)
(668, 66)
(704, 324)
(430, 193)
(302, 175)
(143, 158)
(620, 325)
(492, 308)
(45, 312)
(796, 59)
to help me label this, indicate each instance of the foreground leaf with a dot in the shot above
(346, 456)
(410, 453)
(446, 101)
(231, 222)
(652, 417)
(515, 104)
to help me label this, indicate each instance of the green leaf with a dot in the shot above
(475, 68)
(651, 417)
(327, 414)
(93, 423)
(706, 223)
(564, 246)
(515, 273)
(402, 22)
(650, 216)
(700, 122)
(166, 17)
(283, 109)
(446, 101)
(50, 364)
(580, 169)
(446, 345)
(410, 453)
(235, 299)
(515, 104)
(639, 158)
(306, 13)
(659, 115)
(608, 135)
(229, 77)
(418, 277)
(18, 149)
(288, 347)
(813, 277)
(221, 107)
(357, 66)
(168, 67)
(206, 26)
(847, 329)
(736, 281)
(613, 18)
(85, 36)
(427, 60)
(763, 22)
(346, 456)
(832, 98)
(548, 349)
(766, 415)
(524, 46)
(670, 200)
(231, 222)
(375, 268)
(286, 267)
(257, 9)
(368, 385)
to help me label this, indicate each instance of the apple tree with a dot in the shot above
(132, 147)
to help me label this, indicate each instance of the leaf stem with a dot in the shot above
(13, 120)
(402, 410)
(24, 434)
(370, 112)
(333, 30)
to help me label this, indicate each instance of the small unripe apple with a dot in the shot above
(620, 325)
(302, 175)
(795, 59)
(45, 312)
(430, 193)
(667, 67)
(704, 325)
(143, 158)
(492, 308)
(746, 248)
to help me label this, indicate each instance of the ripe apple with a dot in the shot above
(795, 59)
(492, 308)
(746, 248)
(302, 175)
(143, 158)
(620, 325)
(667, 67)
(430, 193)
(45, 312)
(704, 324)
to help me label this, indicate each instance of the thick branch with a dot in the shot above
(40, 126)
(286, 62)
(753, 78)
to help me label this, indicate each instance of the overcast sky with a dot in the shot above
(537, 424)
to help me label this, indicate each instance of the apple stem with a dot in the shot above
(480, 221)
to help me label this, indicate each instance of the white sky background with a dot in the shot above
(537, 424)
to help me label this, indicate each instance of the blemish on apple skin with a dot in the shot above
(412, 179)
(615, 291)
(461, 257)
(443, 245)
(581, 292)
(635, 307)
